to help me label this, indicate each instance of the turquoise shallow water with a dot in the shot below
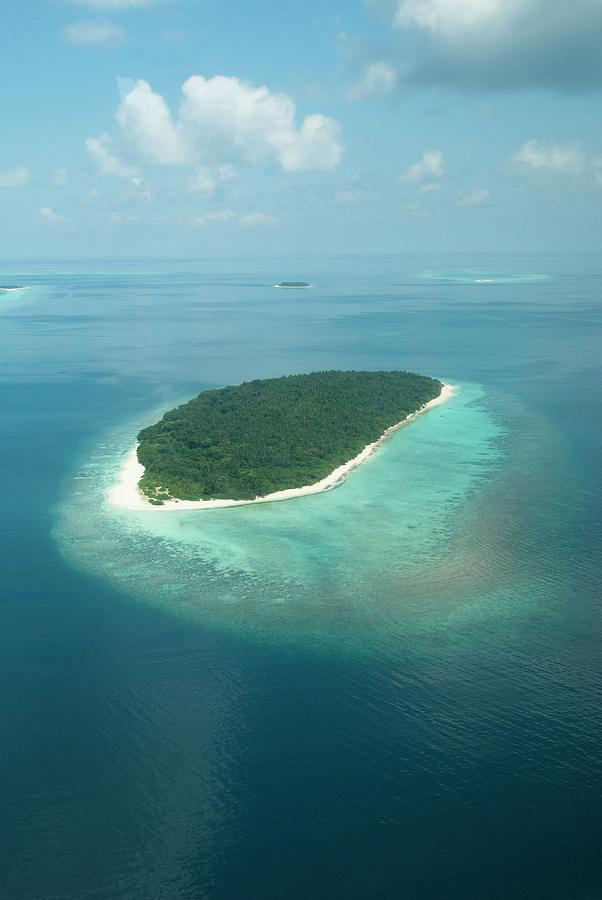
(394, 516)
(392, 689)
(484, 277)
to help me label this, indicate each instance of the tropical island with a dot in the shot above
(293, 284)
(269, 439)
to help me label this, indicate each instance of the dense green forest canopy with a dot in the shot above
(275, 434)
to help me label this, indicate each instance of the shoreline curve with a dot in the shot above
(125, 492)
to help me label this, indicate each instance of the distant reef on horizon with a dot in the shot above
(278, 434)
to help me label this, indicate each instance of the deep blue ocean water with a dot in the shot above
(390, 690)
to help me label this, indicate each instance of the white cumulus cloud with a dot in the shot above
(49, 215)
(455, 17)
(223, 120)
(202, 181)
(147, 127)
(500, 44)
(430, 166)
(100, 151)
(375, 78)
(561, 159)
(569, 161)
(95, 33)
(14, 178)
(205, 179)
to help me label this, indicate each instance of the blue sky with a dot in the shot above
(197, 127)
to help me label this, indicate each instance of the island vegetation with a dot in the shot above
(275, 434)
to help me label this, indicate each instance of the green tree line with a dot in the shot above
(273, 434)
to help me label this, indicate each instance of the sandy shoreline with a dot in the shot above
(125, 491)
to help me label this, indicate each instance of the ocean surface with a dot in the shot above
(389, 690)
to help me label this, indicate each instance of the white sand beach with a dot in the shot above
(125, 492)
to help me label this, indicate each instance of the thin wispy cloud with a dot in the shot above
(114, 4)
(375, 78)
(537, 157)
(206, 179)
(430, 166)
(60, 176)
(213, 216)
(225, 216)
(549, 163)
(117, 218)
(255, 219)
(361, 189)
(49, 215)
(472, 198)
(93, 33)
(101, 152)
(14, 178)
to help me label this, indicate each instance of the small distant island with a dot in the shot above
(293, 284)
(269, 439)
